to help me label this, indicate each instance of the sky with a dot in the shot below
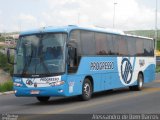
(20, 15)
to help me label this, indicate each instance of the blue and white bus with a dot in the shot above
(72, 60)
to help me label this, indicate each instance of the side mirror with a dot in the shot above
(9, 57)
(71, 52)
(72, 44)
(71, 56)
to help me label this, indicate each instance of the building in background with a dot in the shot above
(11, 39)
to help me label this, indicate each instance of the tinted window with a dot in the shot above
(131, 46)
(123, 46)
(115, 40)
(88, 43)
(152, 48)
(139, 47)
(92, 43)
(75, 36)
(101, 44)
(147, 45)
(110, 44)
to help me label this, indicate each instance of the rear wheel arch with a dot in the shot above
(140, 82)
(141, 74)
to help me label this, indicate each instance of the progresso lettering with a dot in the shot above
(53, 79)
(95, 66)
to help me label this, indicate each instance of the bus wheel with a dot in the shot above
(86, 90)
(43, 99)
(140, 82)
(139, 85)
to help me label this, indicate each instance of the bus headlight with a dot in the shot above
(17, 84)
(58, 83)
(15, 91)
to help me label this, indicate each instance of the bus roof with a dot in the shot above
(69, 28)
(143, 37)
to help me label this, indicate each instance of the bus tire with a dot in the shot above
(139, 85)
(43, 99)
(87, 90)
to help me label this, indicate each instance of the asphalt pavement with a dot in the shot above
(120, 101)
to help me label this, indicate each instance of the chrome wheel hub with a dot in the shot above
(87, 89)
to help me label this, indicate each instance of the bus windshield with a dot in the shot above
(40, 54)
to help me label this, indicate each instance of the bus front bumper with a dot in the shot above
(50, 91)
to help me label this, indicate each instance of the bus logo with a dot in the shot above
(126, 71)
(29, 82)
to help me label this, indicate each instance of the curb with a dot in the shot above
(7, 93)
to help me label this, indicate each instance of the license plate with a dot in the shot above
(34, 92)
